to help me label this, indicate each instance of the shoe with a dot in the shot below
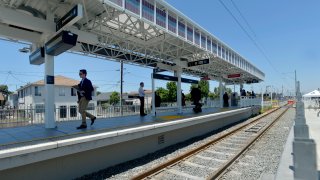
(92, 120)
(143, 114)
(82, 126)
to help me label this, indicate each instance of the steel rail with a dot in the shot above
(218, 173)
(189, 153)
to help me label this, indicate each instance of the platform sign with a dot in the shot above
(165, 77)
(191, 81)
(37, 57)
(174, 78)
(234, 75)
(252, 81)
(199, 62)
(75, 14)
(61, 43)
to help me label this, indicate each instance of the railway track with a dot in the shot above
(209, 161)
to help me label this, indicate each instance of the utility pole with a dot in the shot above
(121, 86)
(295, 82)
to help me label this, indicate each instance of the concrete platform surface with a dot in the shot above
(285, 169)
(20, 136)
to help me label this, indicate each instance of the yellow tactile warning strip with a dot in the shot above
(173, 117)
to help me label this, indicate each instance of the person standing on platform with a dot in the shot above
(196, 97)
(183, 99)
(157, 99)
(84, 91)
(141, 97)
(225, 100)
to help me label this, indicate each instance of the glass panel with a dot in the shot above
(63, 111)
(223, 53)
(181, 29)
(118, 2)
(172, 24)
(161, 17)
(39, 108)
(73, 92)
(73, 111)
(37, 91)
(190, 33)
(203, 41)
(148, 10)
(197, 38)
(208, 44)
(214, 47)
(133, 6)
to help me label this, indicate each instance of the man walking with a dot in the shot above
(84, 92)
(141, 97)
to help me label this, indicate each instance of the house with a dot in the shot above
(2, 100)
(13, 100)
(104, 98)
(133, 98)
(32, 97)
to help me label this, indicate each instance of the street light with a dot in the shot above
(271, 93)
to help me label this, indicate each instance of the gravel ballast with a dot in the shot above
(129, 169)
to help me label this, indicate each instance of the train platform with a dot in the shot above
(286, 168)
(19, 136)
(65, 152)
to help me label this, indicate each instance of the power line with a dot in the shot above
(242, 16)
(249, 36)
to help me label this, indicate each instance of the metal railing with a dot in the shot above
(30, 115)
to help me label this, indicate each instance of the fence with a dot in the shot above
(29, 115)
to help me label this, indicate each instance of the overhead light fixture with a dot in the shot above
(24, 50)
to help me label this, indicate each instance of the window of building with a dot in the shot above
(181, 29)
(161, 16)
(62, 91)
(37, 91)
(172, 23)
(73, 111)
(133, 6)
(39, 108)
(90, 106)
(118, 2)
(63, 111)
(73, 92)
(190, 33)
(197, 38)
(148, 10)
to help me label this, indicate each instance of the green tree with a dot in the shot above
(98, 92)
(216, 92)
(114, 98)
(193, 86)
(204, 87)
(212, 95)
(172, 91)
(188, 97)
(4, 90)
(163, 93)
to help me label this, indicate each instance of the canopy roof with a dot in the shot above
(149, 33)
(315, 93)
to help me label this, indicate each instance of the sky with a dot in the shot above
(287, 32)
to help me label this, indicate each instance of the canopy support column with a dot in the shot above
(49, 117)
(49, 92)
(179, 100)
(221, 88)
(153, 111)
